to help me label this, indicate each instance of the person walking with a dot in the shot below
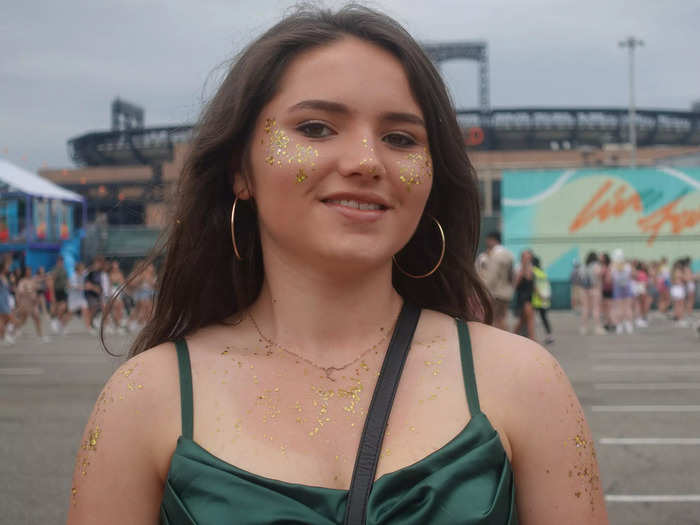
(591, 296)
(623, 297)
(6, 318)
(77, 302)
(28, 303)
(541, 297)
(499, 277)
(60, 295)
(576, 288)
(524, 289)
(93, 292)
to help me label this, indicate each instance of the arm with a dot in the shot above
(554, 460)
(125, 449)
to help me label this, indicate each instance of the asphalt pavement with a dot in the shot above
(640, 392)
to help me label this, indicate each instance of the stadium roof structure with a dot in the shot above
(495, 129)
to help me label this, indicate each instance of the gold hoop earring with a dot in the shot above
(434, 268)
(233, 230)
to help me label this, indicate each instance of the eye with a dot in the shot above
(315, 130)
(400, 140)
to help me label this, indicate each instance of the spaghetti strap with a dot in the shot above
(183, 362)
(465, 352)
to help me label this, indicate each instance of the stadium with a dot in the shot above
(126, 173)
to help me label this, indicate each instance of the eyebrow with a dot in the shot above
(337, 107)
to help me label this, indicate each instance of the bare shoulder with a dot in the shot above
(134, 422)
(525, 390)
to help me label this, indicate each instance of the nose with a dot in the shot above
(361, 160)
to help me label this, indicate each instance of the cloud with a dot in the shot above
(63, 62)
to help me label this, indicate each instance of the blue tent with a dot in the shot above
(38, 219)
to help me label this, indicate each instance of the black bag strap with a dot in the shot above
(378, 415)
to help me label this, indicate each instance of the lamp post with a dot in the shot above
(631, 43)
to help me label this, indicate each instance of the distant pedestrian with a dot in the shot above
(576, 289)
(60, 295)
(590, 296)
(623, 297)
(606, 292)
(77, 303)
(524, 288)
(28, 303)
(6, 317)
(498, 277)
(93, 290)
(678, 294)
(541, 297)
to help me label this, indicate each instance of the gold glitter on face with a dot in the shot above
(279, 154)
(416, 168)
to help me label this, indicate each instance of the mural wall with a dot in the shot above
(562, 215)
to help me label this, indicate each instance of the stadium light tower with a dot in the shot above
(631, 43)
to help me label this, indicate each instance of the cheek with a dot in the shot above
(415, 169)
(287, 158)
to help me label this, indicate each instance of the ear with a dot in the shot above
(241, 186)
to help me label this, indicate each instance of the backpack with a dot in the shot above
(542, 286)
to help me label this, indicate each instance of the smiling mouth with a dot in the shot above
(358, 205)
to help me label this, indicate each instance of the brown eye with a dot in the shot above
(315, 130)
(400, 140)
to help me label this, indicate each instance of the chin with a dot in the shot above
(355, 257)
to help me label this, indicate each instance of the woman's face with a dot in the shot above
(341, 167)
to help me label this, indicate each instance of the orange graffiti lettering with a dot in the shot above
(678, 220)
(612, 206)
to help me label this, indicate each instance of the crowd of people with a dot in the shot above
(524, 286)
(615, 294)
(58, 296)
(610, 293)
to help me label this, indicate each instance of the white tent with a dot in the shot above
(15, 179)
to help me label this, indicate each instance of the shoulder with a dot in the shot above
(134, 423)
(143, 392)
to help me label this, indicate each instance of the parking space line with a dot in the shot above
(649, 441)
(646, 386)
(645, 355)
(646, 368)
(651, 498)
(21, 371)
(645, 408)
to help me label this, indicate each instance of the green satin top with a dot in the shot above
(469, 480)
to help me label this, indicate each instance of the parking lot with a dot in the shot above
(641, 394)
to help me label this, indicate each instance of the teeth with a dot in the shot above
(357, 205)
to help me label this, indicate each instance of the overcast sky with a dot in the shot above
(62, 63)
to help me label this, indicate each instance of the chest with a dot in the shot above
(287, 421)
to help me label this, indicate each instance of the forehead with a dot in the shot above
(352, 71)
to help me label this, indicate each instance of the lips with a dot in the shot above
(364, 202)
(355, 204)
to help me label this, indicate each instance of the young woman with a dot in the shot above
(541, 297)
(623, 296)
(591, 296)
(333, 151)
(28, 303)
(6, 317)
(679, 292)
(77, 303)
(606, 288)
(524, 288)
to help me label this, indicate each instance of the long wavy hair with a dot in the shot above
(201, 282)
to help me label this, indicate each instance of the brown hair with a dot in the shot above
(201, 282)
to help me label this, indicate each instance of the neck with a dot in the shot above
(328, 319)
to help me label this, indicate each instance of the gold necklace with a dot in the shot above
(327, 370)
